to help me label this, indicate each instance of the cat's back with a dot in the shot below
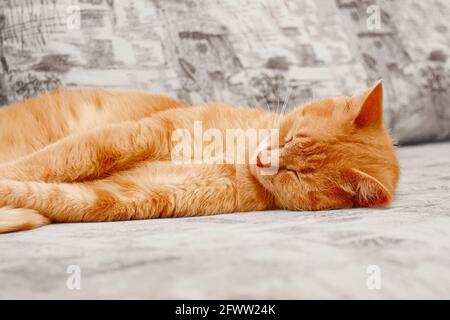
(111, 104)
(71, 110)
(58, 113)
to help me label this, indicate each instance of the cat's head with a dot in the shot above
(334, 153)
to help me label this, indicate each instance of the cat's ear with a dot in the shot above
(365, 190)
(368, 107)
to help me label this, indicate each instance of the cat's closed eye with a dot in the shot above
(288, 139)
(297, 136)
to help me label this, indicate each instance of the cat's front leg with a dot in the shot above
(94, 154)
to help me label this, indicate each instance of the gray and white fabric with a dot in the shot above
(249, 53)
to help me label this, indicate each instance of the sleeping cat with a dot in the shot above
(96, 155)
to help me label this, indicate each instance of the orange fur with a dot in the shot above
(94, 155)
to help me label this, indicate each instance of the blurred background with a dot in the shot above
(255, 53)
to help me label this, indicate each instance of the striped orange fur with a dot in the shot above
(99, 155)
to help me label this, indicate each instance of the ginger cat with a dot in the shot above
(96, 155)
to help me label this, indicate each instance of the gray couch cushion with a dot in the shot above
(252, 54)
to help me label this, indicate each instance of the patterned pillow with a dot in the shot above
(263, 53)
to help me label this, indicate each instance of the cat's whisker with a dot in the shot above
(286, 101)
(278, 103)
(279, 116)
